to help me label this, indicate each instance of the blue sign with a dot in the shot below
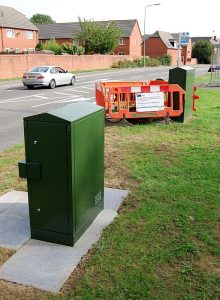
(185, 38)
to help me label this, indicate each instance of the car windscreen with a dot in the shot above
(40, 69)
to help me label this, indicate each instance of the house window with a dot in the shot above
(10, 33)
(16, 50)
(29, 35)
(7, 50)
(121, 41)
(30, 50)
(121, 53)
(111, 53)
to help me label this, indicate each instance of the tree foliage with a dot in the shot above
(61, 49)
(53, 46)
(72, 49)
(202, 50)
(98, 38)
(41, 19)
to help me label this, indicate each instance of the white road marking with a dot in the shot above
(90, 87)
(85, 92)
(41, 97)
(101, 79)
(84, 82)
(59, 93)
(137, 77)
(20, 99)
(63, 100)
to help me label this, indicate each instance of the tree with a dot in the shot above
(41, 19)
(202, 50)
(98, 38)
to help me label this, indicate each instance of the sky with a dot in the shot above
(199, 18)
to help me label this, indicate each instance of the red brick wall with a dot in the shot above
(186, 52)
(12, 66)
(1, 34)
(155, 47)
(60, 41)
(174, 54)
(20, 41)
(136, 41)
(123, 48)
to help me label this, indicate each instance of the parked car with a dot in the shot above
(50, 76)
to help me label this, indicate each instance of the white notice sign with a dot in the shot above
(149, 101)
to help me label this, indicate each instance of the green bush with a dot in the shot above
(53, 46)
(166, 60)
(202, 50)
(39, 46)
(72, 49)
(139, 62)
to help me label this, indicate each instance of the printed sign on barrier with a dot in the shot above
(149, 101)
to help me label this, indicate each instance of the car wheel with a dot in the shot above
(73, 79)
(30, 87)
(52, 84)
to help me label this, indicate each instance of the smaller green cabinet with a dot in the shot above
(64, 168)
(184, 76)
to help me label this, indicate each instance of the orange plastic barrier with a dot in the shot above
(128, 100)
(195, 97)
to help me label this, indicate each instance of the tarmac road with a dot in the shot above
(17, 102)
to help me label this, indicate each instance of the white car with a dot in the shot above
(50, 76)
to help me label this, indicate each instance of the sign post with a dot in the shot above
(183, 41)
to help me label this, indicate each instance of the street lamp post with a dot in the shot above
(155, 4)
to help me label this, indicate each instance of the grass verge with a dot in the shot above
(165, 243)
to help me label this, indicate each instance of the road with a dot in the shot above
(17, 102)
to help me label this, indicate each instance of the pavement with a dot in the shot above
(40, 264)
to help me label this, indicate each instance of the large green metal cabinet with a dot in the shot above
(64, 168)
(184, 76)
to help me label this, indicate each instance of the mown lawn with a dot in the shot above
(165, 242)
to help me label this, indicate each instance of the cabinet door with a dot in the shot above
(48, 196)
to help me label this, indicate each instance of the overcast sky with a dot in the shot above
(198, 17)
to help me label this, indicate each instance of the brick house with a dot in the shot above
(17, 33)
(130, 42)
(161, 43)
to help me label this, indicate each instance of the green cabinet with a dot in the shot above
(64, 168)
(184, 76)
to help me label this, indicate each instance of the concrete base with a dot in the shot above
(40, 264)
(14, 220)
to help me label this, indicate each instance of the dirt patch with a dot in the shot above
(5, 254)
(116, 175)
(10, 291)
(209, 264)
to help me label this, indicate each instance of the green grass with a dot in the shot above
(165, 242)
(203, 79)
(9, 170)
(10, 79)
